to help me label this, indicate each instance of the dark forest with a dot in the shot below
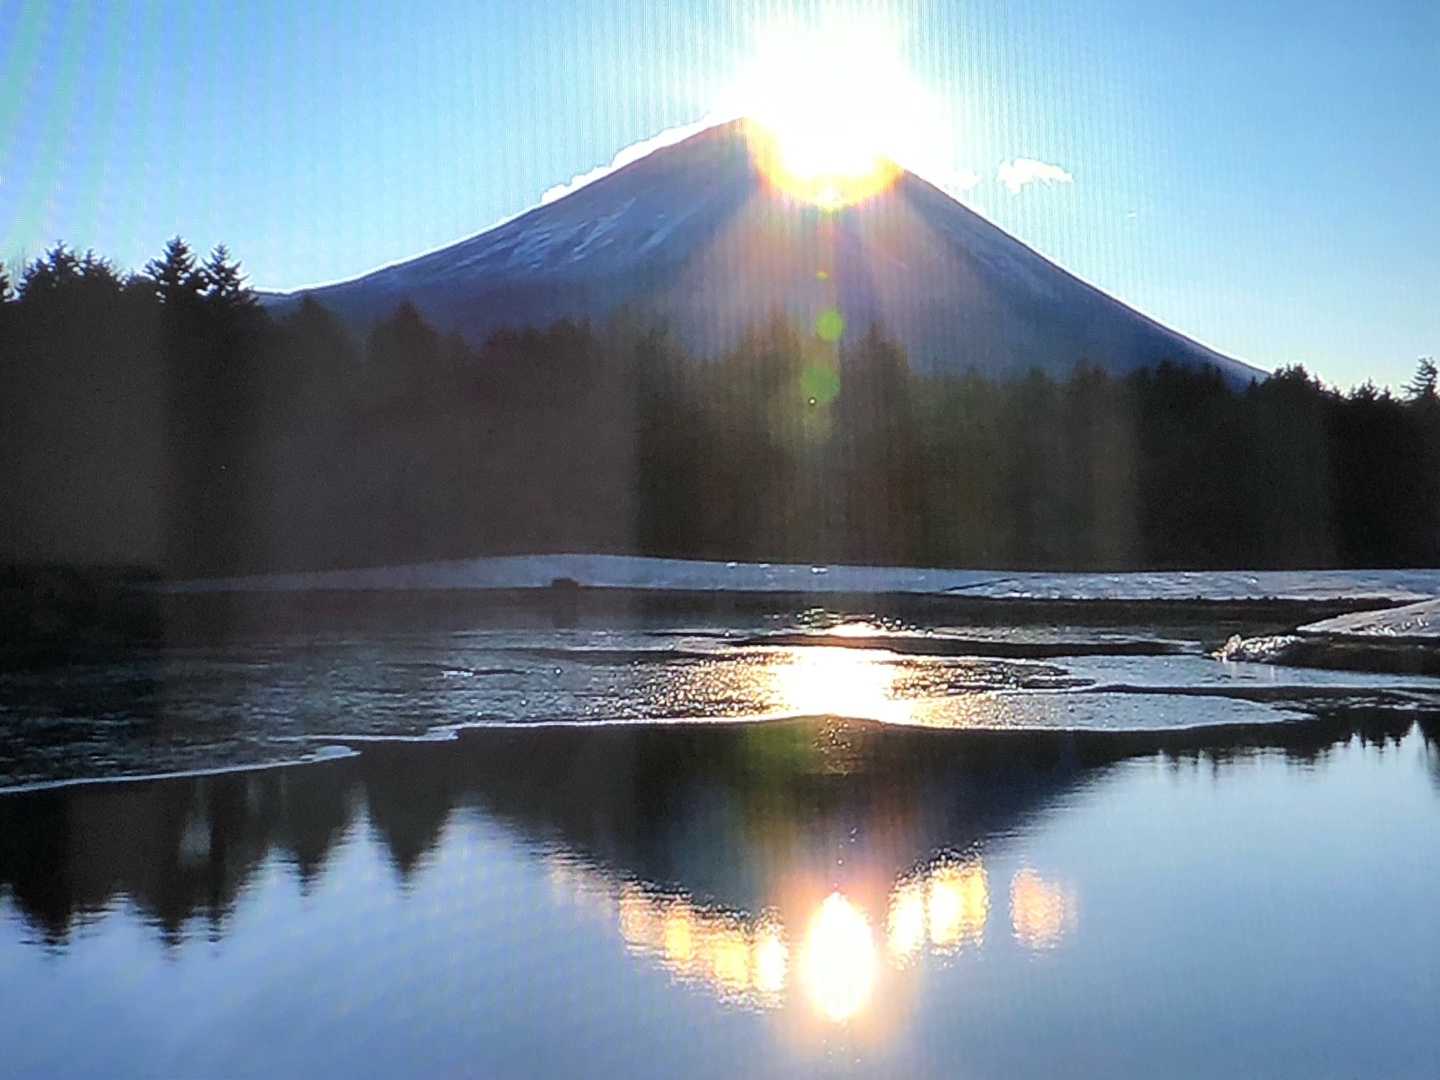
(165, 420)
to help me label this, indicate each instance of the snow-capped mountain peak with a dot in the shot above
(694, 233)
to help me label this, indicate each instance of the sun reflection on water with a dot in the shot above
(836, 681)
(1041, 912)
(744, 960)
(818, 675)
(856, 629)
(771, 960)
(836, 966)
(905, 925)
(948, 905)
(840, 963)
(959, 905)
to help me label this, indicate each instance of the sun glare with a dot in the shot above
(835, 681)
(839, 964)
(832, 112)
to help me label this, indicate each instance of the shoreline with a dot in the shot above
(1308, 733)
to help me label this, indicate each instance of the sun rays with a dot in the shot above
(833, 111)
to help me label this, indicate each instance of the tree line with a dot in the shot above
(165, 418)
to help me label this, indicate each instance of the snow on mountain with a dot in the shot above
(694, 235)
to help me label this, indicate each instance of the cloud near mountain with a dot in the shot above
(628, 154)
(1022, 172)
(957, 180)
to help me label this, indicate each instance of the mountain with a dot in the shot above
(694, 234)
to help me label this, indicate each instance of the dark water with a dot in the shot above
(492, 850)
(799, 897)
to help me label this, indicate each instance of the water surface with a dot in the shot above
(811, 843)
(825, 897)
(278, 696)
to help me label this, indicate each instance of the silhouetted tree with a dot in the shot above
(57, 269)
(1422, 388)
(172, 401)
(223, 285)
(175, 275)
(7, 312)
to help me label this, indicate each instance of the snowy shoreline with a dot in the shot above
(1397, 640)
(1413, 623)
(643, 573)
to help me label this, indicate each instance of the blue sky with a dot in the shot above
(1262, 177)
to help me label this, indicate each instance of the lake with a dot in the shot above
(798, 843)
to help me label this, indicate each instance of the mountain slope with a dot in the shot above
(694, 234)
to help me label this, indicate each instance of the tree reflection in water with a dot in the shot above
(750, 858)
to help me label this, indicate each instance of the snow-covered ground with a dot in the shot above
(1420, 620)
(636, 572)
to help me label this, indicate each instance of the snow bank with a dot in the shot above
(1402, 640)
(1414, 621)
(635, 572)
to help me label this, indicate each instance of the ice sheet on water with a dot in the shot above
(263, 701)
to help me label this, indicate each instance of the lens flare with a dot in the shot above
(829, 326)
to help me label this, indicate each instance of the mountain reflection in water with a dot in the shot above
(775, 891)
(839, 955)
(754, 825)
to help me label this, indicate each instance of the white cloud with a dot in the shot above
(634, 152)
(957, 182)
(1022, 171)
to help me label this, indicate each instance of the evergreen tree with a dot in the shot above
(224, 285)
(98, 278)
(7, 317)
(49, 274)
(1423, 386)
(288, 444)
(405, 339)
(174, 276)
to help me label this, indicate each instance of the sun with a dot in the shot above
(832, 112)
